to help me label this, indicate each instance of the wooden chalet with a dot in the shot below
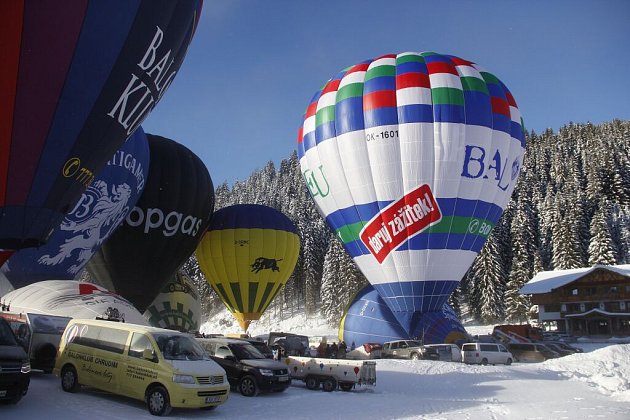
(591, 301)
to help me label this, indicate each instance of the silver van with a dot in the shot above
(486, 353)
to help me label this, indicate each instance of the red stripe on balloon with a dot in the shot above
(379, 99)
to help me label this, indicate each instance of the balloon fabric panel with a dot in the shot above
(80, 79)
(411, 159)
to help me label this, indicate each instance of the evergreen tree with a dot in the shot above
(601, 249)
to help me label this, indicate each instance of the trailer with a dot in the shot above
(332, 373)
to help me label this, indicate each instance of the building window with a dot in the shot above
(613, 290)
(563, 308)
(602, 306)
(582, 307)
(574, 292)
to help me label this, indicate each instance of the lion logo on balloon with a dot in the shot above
(95, 217)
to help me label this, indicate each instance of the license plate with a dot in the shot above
(283, 378)
(3, 393)
(213, 399)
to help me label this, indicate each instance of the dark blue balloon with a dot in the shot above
(368, 319)
(100, 210)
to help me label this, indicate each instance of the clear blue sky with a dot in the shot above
(253, 66)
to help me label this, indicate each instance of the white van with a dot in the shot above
(164, 368)
(486, 353)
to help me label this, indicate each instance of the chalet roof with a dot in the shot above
(546, 281)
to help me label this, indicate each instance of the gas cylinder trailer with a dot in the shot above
(332, 373)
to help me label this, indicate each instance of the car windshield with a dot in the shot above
(246, 351)
(6, 335)
(179, 347)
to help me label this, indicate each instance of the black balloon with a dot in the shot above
(162, 230)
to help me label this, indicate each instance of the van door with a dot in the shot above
(139, 372)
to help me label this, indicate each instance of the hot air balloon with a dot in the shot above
(77, 78)
(411, 159)
(247, 255)
(162, 230)
(102, 207)
(369, 320)
(74, 299)
(177, 307)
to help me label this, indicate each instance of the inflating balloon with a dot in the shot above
(412, 158)
(74, 299)
(162, 230)
(77, 78)
(369, 320)
(177, 307)
(247, 255)
(101, 208)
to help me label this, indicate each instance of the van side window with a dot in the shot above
(488, 347)
(113, 340)
(502, 348)
(108, 339)
(139, 343)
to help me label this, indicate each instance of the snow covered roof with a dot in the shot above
(546, 281)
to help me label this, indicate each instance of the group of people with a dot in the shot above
(334, 350)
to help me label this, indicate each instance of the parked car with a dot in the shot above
(39, 334)
(247, 369)
(562, 351)
(289, 344)
(445, 352)
(486, 353)
(163, 368)
(15, 368)
(531, 352)
(565, 346)
(404, 349)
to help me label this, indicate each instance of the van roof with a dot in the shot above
(123, 326)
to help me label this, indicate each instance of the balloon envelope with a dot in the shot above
(411, 158)
(71, 298)
(102, 207)
(247, 255)
(369, 320)
(177, 307)
(162, 230)
(77, 78)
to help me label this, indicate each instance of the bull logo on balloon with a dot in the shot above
(421, 152)
(262, 263)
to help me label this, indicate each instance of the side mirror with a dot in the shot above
(147, 354)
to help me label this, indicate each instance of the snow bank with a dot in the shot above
(606, 369)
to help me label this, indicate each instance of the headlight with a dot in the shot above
(26, 367)
(183, 379)
(266, 372)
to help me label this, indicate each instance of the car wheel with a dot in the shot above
(312, 382)
(484, 361)
(158, 401)
(330, 384)
(69, 379)
(414, 356)
(247, 386)
(509, 362)
(346, 386)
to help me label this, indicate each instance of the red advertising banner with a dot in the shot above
(399, 221)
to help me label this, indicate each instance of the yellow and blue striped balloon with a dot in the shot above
(247, 255)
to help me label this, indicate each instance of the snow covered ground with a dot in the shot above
(594, 384)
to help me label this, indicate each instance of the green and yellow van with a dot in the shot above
(164, 368)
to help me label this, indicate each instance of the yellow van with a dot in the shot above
(164, 368)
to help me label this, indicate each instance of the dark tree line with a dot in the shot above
(570, 209)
